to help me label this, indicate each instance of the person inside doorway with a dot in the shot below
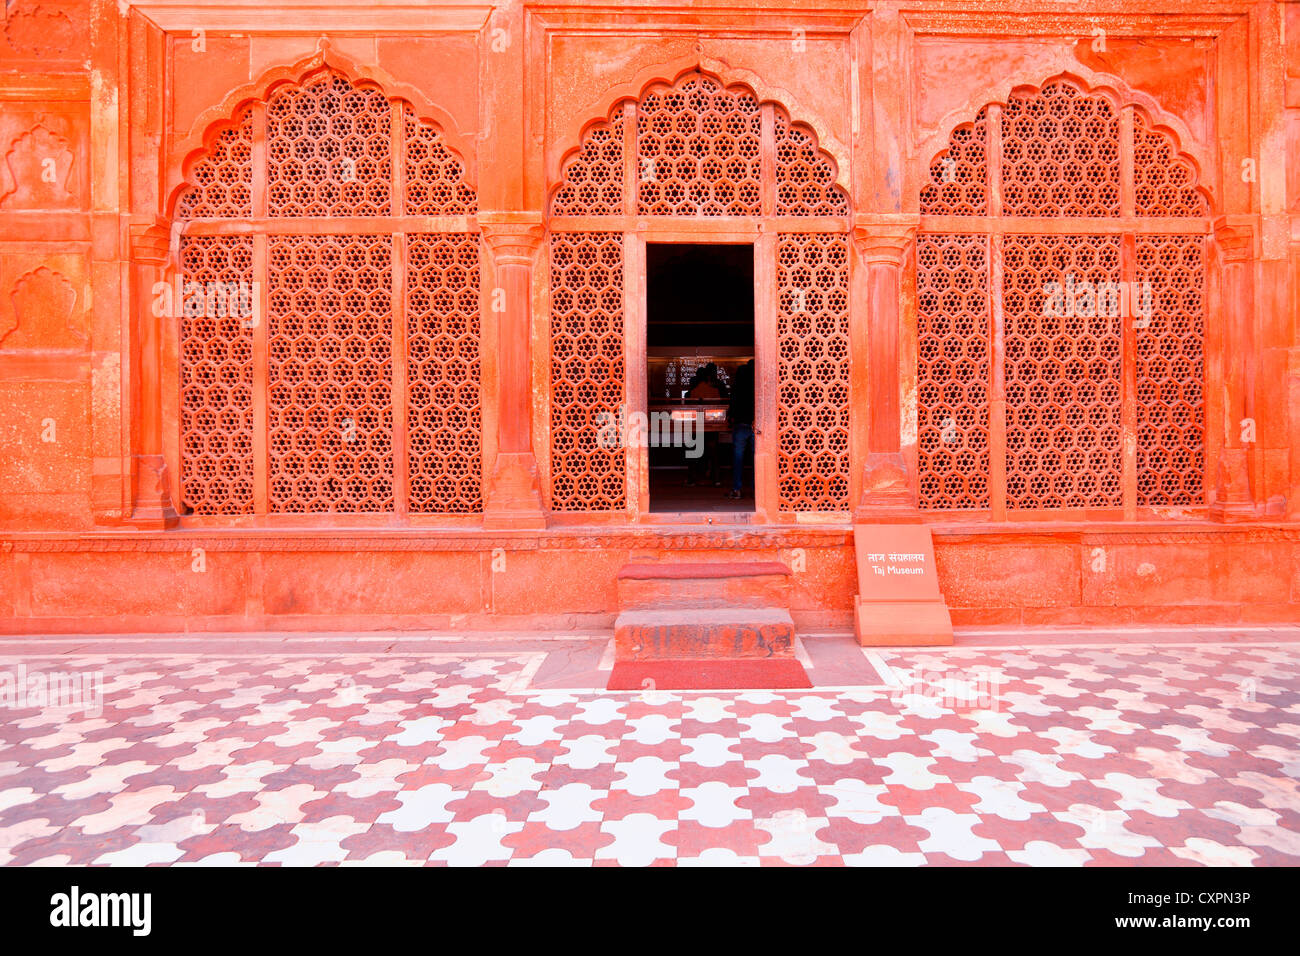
(740, 415)
(705, 387)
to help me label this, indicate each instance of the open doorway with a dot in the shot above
(700, 376)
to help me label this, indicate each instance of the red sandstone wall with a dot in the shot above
(100, 103)
(998, 579)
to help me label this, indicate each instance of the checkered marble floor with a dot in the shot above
(1050, 755)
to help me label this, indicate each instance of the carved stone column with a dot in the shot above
(881, 245)
(151, 501)
(1233, 486)
(513, 494)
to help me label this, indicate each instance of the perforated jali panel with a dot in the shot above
(329, 336)
(593, 179)
(329, 149)
(216, 371)
(1170, 371)
(443, 371)
(1163, 183)
(1063, 374)
(587, 474)
(435, 176)
(813, 465)
(952, 275)
(1060, 154)
(698, 150)
(330, 414)
(223, 178)
(959, 176)
(805, 178)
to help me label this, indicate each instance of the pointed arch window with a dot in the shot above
(1061, 312)
(701, 149)
(329, 337)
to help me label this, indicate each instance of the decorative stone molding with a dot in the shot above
(513, 237)
(150, 242)
(884, 239)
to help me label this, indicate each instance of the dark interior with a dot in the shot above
(699, 310)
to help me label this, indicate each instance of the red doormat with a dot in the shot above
(765, 674)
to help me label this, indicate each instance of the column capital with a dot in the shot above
(150, 241)
(884, 238)
(513, 237)
(1236, 240)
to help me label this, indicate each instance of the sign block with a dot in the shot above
(898, 600)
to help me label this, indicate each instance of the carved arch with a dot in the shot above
(223, 119)
(966, 120)
(600, 140)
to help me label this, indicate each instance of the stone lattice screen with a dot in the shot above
(1094, 350)
(308, 384)
(587, 372)
(445, 416)
(953, 376)
(699, 149)
(216, 363)
(1063, 377)
(812, 341)
(330, 374)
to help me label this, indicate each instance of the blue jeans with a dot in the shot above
(741, 437)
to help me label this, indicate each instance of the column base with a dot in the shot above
(152, 509)
(513, 495)
(1232, 499)
(886, 496)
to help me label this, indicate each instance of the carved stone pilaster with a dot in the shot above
(513, 497)
(151, 504)
(881, 244)
(1233, 498)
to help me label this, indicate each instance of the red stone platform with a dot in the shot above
(696, 625)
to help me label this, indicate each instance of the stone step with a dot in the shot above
(732, 633)
(703, 584)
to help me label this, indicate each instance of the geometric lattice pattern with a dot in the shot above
(813, 466)
(216, 371)
(329, 358)
(1163, 183)
(223, 178)
(959, 176)
(1067, 314)
(1063, 375)
(328, 149)
(698, 150)
(1060, 154)
(952, 277)
(330, 414)
(805, 177)
(1170, 371)
(593, 178)
(435, 176)
(587, 462)
(443, 364)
